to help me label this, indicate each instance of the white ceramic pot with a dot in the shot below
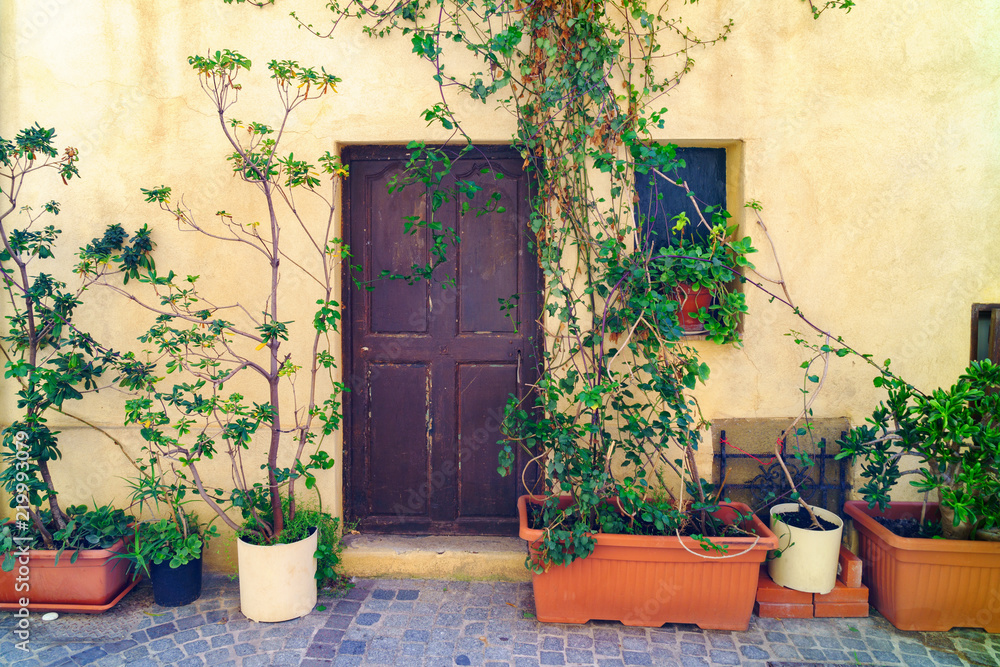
(277, 582)
(809, 558)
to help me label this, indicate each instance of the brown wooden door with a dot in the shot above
(430, 367)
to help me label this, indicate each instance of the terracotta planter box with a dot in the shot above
(94, 583)
(652, 580)
(926, 584)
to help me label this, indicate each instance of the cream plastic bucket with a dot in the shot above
(277, 582)
(809, 558)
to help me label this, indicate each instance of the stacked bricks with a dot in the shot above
(848, 599)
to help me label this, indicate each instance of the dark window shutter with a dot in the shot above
(659, 200)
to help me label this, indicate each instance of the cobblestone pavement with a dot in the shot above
(410, 622)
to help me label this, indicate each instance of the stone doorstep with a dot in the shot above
(461, 558)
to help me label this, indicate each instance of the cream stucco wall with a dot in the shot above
(871, 139)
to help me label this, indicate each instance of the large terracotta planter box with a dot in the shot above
(927, 584)
(651, 580)
(96, 581)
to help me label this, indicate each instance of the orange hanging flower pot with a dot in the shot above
(692, 300)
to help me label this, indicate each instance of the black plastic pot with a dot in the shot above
(176, 587)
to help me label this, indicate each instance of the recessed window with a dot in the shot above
(986, 332)
(704, 172)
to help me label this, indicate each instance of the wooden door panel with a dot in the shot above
(395, 307)
(488, 264)
(399, 399)
(431, 366)
(483, 391)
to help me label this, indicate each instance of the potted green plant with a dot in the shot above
(808, 547)
(168, 550)
(919, 580)
(610, 537)
(52, 362)
(288, 404)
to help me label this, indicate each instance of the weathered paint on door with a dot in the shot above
(430, 367)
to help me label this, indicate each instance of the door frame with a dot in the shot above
(388, 153)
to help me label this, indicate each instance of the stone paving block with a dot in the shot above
(551, 658)
(812, 654)
(439, 648)
(194, 661)
(942, 658)
(212, 630)
(606, 648)
(338, 622)
(322, 651)
(475, 628)
(784, 651)
(498, 653)
(693, 661)
(89, 656)
(50, 654)
(752, 652)
(259, 660)
(161, 644)
(347, 661)
(243, 649)
(437, 661)
(137, 653)
(186, 636)
(349, 607)
(691, 648)
(553, 643)
(271, 644)
(525, 649)
(720, 640)
(189, 622)
(634, 643)
(444, 634)
(170, 656)
(636, 658)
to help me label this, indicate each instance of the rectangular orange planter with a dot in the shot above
(927, 584)
(651, 580)
(93, 581)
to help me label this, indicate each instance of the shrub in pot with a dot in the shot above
(210, 346)
(684, 288)
(52, 361)
(807, 554)
(168, 550)
(614, 428)
(952, 438)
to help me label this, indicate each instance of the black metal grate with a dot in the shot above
(824, 484)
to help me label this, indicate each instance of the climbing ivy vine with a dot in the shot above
(613, 411)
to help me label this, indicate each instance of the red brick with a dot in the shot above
(776, 610)
(772, 593)
(842, 593)
(841, 610)
(850, 568)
